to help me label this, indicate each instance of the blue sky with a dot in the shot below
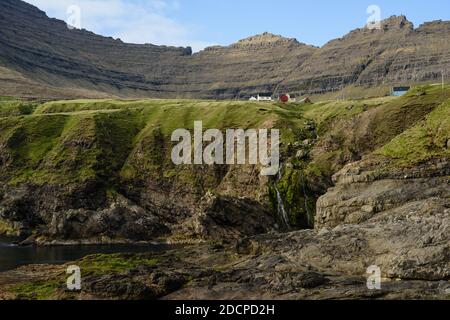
(200, 23)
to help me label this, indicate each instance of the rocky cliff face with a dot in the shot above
(254, 65)
(45, 52)
(371, 174)
(102, 171)
(364, 190)
(48, 51)
(396, 54)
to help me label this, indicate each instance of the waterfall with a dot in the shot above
(280, 204)
(281, 211)
(280, 172)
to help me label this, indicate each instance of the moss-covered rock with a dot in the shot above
(69, 162)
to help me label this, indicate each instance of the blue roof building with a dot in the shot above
(400, 91)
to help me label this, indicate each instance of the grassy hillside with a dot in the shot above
(12, 107)
(429, 139)
(124, 145)
(351, 129)
(75, 140)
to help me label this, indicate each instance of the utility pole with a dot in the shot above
(443, 70)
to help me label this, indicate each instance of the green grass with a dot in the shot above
(348, 133)
(10, 107)
(38, 290)
(4, 98)
(173, 114)
(324, 113)
(28, 141)
(393, 114)
(100, 264)
(427, 140)
(72, 141)
(401, 114)
(70, 106)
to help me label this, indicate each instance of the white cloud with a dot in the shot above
(138, 21)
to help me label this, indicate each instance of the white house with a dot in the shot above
(263, 98)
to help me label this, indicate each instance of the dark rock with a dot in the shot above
(119, 286)
(222, 218)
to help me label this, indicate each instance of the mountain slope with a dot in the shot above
(397, 54)
(56, 55)
(45, 52)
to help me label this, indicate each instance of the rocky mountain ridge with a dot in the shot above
(46, 52)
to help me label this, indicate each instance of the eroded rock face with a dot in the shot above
(408, 239)
(410, 244)
(78, 55)
(396, 219)
(361, 193)
(109, 65)
(143, 211)
(42, 54)
(226, 218)
(122, 219)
